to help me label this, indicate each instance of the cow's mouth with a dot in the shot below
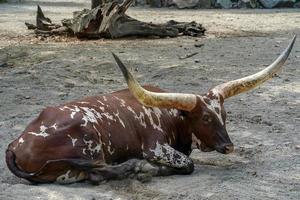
(225, 149)
(205, 148)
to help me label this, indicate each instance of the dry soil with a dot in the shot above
(264, 124)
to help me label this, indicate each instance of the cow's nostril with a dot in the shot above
(229, 148)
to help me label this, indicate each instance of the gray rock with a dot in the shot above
(140, 2)
(224, 3)
(12, 1)
(275, 3)
(185, 3)
(248, 4)
(156, 3)
(3, 64)
(297, 5)
(206, 3)
(3, 61)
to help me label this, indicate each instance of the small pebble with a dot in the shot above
(199, 45)
(4, 64)
(69, 85)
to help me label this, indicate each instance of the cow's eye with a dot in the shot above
(206, 118)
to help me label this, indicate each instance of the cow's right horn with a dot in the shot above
(247, 83)
(180, 101)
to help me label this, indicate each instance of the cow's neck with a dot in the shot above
(184, 136)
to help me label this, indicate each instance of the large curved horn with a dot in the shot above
(238, 86)
(185, 102)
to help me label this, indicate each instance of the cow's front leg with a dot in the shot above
(120, 171)
(167, 161)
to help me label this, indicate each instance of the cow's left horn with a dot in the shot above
(180, 101)
(238, 86)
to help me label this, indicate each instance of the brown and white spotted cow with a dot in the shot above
(137, 132)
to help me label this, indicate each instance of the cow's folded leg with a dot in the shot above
(157, 169)
(143, 177)
(120, 171)
(167, 161)
(142, 170)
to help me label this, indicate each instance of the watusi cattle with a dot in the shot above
(137, 132)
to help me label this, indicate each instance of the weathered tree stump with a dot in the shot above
(108, 20)
(44, 25)
(95, 3)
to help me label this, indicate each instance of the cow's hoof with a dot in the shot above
(144, 177)
(95, 179)
(146, 167)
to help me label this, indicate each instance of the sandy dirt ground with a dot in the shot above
(264, 124)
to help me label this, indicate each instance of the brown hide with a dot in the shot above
(105, 129)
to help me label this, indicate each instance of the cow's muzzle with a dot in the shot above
(225, 148)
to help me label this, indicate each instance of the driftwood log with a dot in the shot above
(109, 20)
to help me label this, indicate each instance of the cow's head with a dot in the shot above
(206, 112)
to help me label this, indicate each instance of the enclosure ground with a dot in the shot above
(264, 124)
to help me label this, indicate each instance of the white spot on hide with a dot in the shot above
(90, 115)
(92, 150)
(109, 148)
(140, 118)
(165, 154)
(53, 126)
(100, 102)
(157, 112)
(83, 102)
(173, 112)
(73, 110)
(102, 108)
(120, 120)
(43, 130)
(215, 104)
(122, 102)
(66, 179)
(173, 135)
(73, 140)
(195, 141)
(108, 116)
(21, 141)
